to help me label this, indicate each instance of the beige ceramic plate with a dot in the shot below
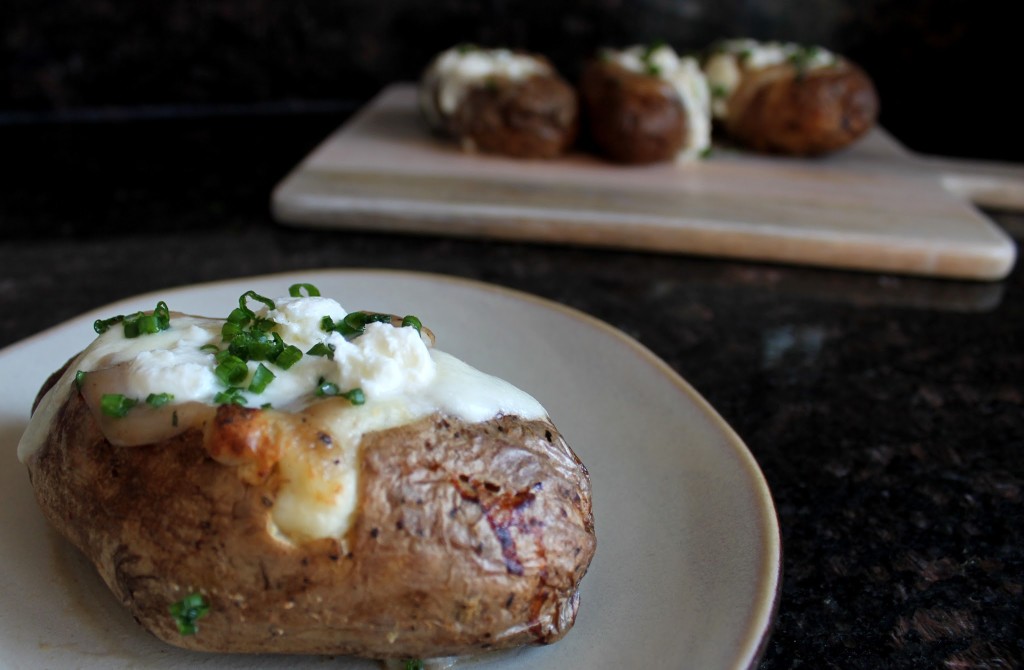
(687, 567)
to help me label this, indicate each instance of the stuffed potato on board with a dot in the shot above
(646, 104)
(499, 101)
(404, 521)
(781, 97)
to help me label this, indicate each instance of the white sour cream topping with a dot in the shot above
(731, 60)
(453, 72)
(402, 378)
(689, 82)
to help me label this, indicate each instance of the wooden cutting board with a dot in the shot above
(872, 207)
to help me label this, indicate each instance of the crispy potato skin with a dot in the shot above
(536, 117)
(783, 111)
(631, 117)
(466, 538)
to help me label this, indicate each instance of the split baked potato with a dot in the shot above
(499, 101)
(645, 104)
(465, 535)
(787, 98)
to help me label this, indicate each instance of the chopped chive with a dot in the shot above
(116, 405)
(413, 664)
(229, 331)
(131, 325)
(163, 315)
(230, 396)
(187, 611)
(410, 321)
(288, 357)
(213, 348)
(354, 323)
(147, 324)
(240, 315)
(102, 325)
(79, 378)
(260, 379)
(158, 399)
(138, 323)
(295, 290)
(322, 349)
(253, 295)
(355, 396)
(232, 370)
(326, 389)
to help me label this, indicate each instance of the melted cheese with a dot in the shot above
(686, 77)
(402, 378)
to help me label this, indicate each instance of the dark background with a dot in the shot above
(946, 71)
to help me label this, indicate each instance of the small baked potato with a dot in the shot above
(500, 101)
(465, 536)
(645, 104)
(787, 98)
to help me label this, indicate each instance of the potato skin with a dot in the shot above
(535, 117)
(631, 117)
(783, 110)
(467, 537)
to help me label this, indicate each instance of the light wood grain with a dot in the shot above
(873, 207)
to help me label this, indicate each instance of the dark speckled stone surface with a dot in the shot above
(887, 413)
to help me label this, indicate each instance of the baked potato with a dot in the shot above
(398, 522)
(499, 101)
(777, 97)
(645, 104)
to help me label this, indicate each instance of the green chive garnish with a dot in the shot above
(79, 378)
(232, 370)
(158, 399)
(354, 323)
(138, 323)
(116, 405)
(230, 396)
(410, 321)
(322, 349)
(102, 325)
(147, 324)
(212, 348)
(288, 357)
(413, 664)
(355, 396)
(260, 379)
(187, 611)
(326, 389)
(253, 295)
(295, 290)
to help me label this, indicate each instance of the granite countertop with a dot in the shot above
(887, 413)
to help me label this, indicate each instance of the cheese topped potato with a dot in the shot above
(645, 104)
(297, 478)
(499, 101)
(782, 97)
